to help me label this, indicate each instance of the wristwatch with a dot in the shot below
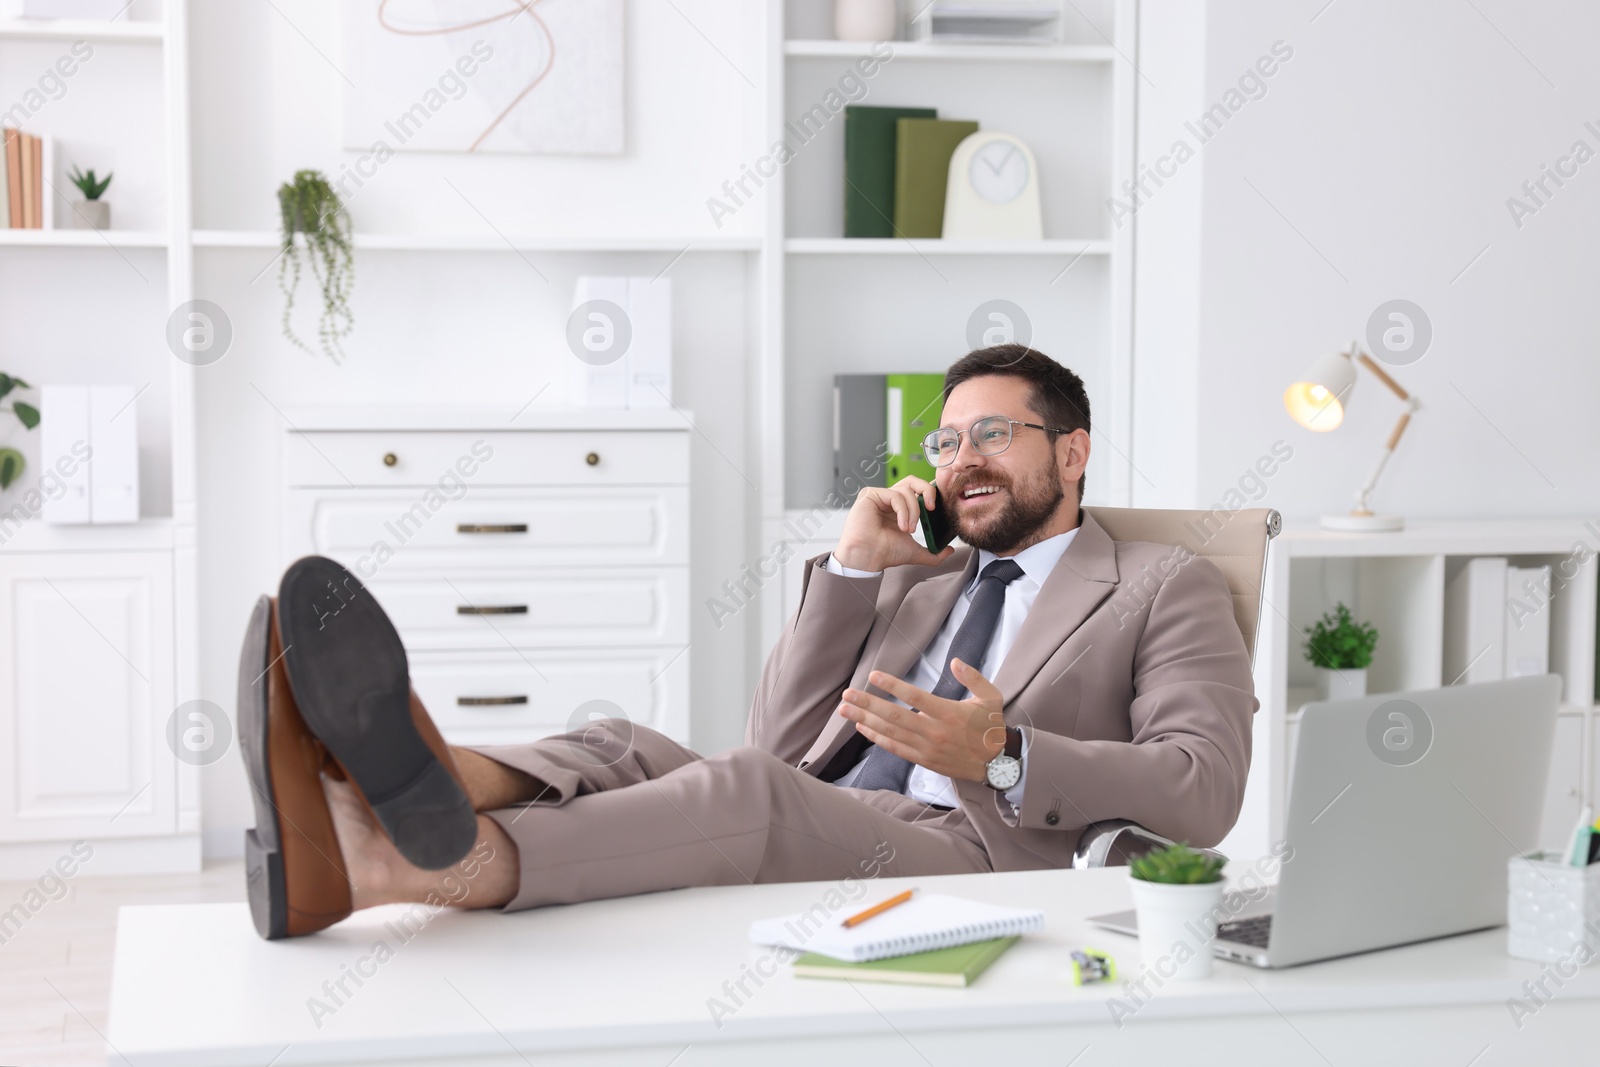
(1005, 770)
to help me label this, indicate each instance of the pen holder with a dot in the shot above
(1553, 910)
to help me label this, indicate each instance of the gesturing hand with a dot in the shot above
(955, 738)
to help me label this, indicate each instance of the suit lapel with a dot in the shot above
(1083, 577)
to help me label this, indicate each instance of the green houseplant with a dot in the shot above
(11, 463)
(1177, 892)
(1341, 650)
(316, 232)
(94, 213)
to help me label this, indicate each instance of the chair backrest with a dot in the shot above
(1236, 541)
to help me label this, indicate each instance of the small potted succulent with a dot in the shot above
(11, 463)
(93, 213)
(1177, 892)
(1341, 650)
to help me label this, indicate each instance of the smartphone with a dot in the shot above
(937, 528)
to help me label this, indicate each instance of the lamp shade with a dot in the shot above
(1317, 400)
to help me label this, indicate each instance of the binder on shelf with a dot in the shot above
(1527, 621)
(1474, 622)
(922, 172)
(913, 404)
(860, 434)
(641, 375)
(63, 444)
(870, 138)
(114, 466)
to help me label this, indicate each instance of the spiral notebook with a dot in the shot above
(925, 922)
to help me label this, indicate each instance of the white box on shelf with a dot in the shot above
(1527, 621)
(640, 375)
(999, 22)
(114, 467)
(1552, 910)
(64, 449)
(1474, 622)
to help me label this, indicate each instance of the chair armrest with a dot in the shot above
(1116, 842)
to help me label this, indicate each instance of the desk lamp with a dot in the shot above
(1317, 402)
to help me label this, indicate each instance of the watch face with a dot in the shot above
(999, 172)
(1004, 772)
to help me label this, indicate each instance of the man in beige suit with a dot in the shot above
(970, 710)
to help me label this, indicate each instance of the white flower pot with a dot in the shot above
(1177, 926)
(865, 20)
(91, 215)
(1345, 684)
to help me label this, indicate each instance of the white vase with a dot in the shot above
(865, 20)
(1346, 684)
(1177, 927)
(91, 215)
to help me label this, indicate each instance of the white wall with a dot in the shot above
(1381, 159)
(465, 328)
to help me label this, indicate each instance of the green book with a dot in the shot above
(914, 403)
(957, 966)
(869, 154)
(921, 171)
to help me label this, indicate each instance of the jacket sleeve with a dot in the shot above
(813, 661)
(1183, 773)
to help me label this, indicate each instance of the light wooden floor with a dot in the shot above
(68, 945)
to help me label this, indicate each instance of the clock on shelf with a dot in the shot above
(993, 190)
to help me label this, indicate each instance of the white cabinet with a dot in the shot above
(538, 576)
(86, 688)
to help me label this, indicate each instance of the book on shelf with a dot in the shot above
(29, 161)
(869, 166)
(958, 966)
(922, 171)
(13, 165)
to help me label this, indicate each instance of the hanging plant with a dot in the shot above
(312, 210)
(10, 459)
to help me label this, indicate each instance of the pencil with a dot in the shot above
(877, 909)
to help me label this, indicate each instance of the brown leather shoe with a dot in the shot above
(294, 870)
(347, 667)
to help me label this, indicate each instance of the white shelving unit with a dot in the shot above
(449, 242)
(101, 632)
(1396, 581)
(832, 304)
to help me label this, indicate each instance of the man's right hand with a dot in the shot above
(877, 532)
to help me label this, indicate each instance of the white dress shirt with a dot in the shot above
(1036, 561)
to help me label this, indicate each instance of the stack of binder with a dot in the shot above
(1496, 621)
(879, 421)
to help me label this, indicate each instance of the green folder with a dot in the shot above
(921, 170)
(914, 403)
(957, 966)
(869, 153)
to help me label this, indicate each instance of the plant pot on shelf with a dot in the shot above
(865, 20)
(1345, 684)
(1177, 926)
(91, 215)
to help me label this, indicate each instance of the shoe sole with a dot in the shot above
(263, 846)
(347, 669)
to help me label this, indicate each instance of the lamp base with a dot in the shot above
(1364, 523)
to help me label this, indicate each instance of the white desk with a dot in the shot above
(628, 982)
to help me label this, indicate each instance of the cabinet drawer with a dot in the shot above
(388, 530)
(505, 698)
(575, 608)
(522, 457)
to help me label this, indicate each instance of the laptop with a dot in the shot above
(1403, 811)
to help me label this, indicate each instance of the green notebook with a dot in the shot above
(957, 966)
(869, 152)
(921, 171)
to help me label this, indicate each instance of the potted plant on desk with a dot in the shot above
(1176, 892)
(1341, 650)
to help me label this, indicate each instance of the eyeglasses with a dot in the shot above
(989, 436)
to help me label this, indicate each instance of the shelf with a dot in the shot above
(84, 238)
(144, 32)
(330, 418)
(835, 246)
(985, 53)
(448, 242)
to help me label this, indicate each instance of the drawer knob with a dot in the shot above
(491, 527)
(592, 459)
(390, 459)
(484, 702)
(491, 609)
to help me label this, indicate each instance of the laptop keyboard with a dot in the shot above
(1254, 931)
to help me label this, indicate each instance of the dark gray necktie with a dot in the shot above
(881, 768)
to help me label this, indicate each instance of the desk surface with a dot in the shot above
(193, 984)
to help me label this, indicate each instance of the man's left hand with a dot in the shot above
(955, 738)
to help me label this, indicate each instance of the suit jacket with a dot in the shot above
(1129, 678)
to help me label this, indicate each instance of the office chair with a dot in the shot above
(1236, 541)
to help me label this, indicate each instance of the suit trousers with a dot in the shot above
(628, 810)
